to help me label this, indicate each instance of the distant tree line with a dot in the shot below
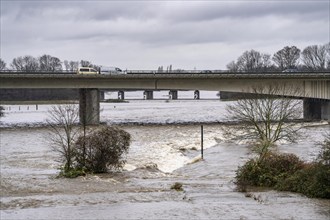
(312, 58)
(45, 63)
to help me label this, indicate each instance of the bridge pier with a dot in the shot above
(173, 94)
(121, 95)
(315, 109)
(196, 94)
(325, 110)
(89, 106)
(148, 94)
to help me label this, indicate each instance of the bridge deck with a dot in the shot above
(314, 84)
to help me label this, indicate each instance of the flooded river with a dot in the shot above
(160, 155)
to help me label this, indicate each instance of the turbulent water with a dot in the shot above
(162, 152)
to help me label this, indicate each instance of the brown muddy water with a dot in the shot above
(159, 156)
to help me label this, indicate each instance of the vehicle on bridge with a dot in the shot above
(290, 71)
(111, 70)
(87, 70)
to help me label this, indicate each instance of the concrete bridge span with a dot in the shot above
(314, 87)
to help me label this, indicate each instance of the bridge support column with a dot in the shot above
(196, 94)
(173, 94)
(316, 109)
(89, 106)
(325, 110)
(121, 95)
(148, 94)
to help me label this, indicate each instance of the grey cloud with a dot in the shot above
(175, 11)
(154, 24)
(210, 10)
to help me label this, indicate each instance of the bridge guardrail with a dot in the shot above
(200, 73)
(35, 72)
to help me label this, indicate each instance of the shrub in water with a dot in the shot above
(102, 149)
(268, 171)
(177, 186)
(313, 181)
(72, 173)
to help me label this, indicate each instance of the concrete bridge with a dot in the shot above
(315, 86)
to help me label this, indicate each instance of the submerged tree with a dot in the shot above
(102, 149)
(82, 150)
(264, 119)
(64, 132)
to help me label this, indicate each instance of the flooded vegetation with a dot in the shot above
(160, 157)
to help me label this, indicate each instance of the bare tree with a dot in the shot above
(264, 120)
(314, 57)
(2, 64)
(287, 57)
(85, 63)
(327, 49)
(160, 69)
(71, 65)
(251, 61)
(64, 132)
(266, 63)
(232, 66)
(49, 63)
(26, 63)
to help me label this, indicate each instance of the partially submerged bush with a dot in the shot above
(177, 186)
(287, 172)
(102, 150)
(313, 181)
(268, 171)
(72, 173)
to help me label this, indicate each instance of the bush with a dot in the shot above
(268, 171)
(177, 186)
(102, 150)
(313, 181)
(72, 173)
(286, 172)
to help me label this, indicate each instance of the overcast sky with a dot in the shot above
(148, 34)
